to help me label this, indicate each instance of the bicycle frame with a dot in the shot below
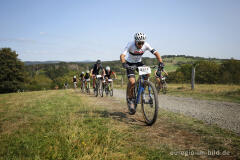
(140, 88)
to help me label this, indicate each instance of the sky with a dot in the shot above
(79, 30)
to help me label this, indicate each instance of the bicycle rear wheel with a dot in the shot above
(149, 101)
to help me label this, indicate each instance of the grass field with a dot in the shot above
(219, 92)
(65, 124)
(230, 93)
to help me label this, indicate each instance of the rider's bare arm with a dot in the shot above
(104, 73)
(115, 75)
(165, 72)
(158, 56)
(91, 72)
(122, 58)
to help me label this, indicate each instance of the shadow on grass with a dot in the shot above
(120, 116)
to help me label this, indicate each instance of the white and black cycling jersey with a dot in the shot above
(133, 54)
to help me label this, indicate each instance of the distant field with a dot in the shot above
(171, 64)
(219, 92)
(65, 124)
(230, 93)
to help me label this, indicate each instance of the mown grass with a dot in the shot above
(60, 125)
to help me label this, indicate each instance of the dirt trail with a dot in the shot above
(224, 114)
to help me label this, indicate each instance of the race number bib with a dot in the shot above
(144, 70)
(98, 76)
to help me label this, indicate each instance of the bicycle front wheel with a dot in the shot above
(96, 89)
(88, 85)
(149, 101)
(111, 92)
(101, 88)
(111, 89)
(164, 88)
(157, 86)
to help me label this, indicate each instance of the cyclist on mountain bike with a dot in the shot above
(81, 78)
(132, 56)
(96, 71)
(158, 74)
(86, 77)
(108, 74)
(74, 81)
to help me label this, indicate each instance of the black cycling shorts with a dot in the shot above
(158, 74)
(131, 73)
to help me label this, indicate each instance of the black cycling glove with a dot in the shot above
(161, 64)
(125, 65)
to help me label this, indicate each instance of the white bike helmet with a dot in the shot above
(108, 68)
(140, 37)
(74, 77)
(87, 71)
(82, 72)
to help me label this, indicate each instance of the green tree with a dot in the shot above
(207, 72)
(186, 70)
(12, 73)
(39, 82)
(230, 71)
(179, 77)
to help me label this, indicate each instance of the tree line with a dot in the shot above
(208, 72)
(15, 76)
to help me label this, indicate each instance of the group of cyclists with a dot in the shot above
(131, 60)
(97, 69)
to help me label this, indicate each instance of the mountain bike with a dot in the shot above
(88, 86)
(75, 85)
(163, 86)
(98, 86)
(82, 85)
(108, 87)
(146, 94)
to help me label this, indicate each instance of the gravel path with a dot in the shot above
(224, 114)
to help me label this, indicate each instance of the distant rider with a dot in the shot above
(87, 77)
(96, 71)
(81, 78)
(158, 73)
(74, 82)
(108, 74)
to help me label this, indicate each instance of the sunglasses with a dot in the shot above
(140, 43)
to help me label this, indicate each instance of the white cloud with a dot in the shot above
(43, 33)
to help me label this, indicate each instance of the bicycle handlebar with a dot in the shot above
(132, 67)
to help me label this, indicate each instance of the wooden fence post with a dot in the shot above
(122, 81)
(193, 77)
